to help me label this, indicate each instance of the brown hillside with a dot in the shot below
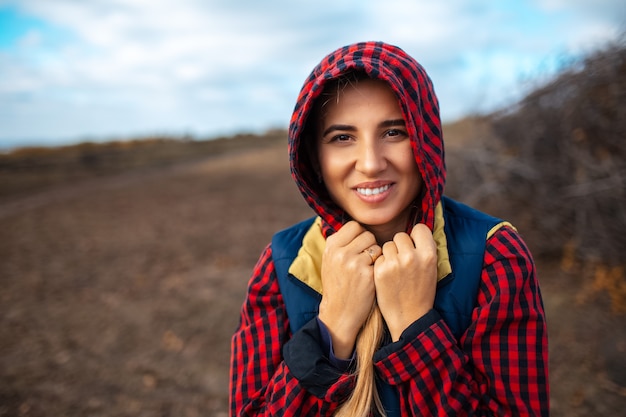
(124, 265)
(120, 293)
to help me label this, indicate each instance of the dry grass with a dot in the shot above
(555, 165)
(25, 170)
(124, 264)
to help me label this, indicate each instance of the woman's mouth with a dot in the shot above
(372, 191)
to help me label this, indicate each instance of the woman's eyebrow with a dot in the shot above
(350, 128)
(331, 128)
(391, 123)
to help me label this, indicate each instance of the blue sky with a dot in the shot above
(110, 69)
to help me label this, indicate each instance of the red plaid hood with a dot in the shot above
(419, 106)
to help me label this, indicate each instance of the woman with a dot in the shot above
(394, 300)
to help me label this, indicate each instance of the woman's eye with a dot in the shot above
(395, 133)
(341, 138)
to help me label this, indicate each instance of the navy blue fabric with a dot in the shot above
(466, 232)
(390, 398)
(301, 301)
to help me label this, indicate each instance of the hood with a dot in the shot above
(420, 109)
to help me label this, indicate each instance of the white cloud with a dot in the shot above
(126, 67)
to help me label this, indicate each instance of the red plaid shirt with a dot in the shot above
(498, 367)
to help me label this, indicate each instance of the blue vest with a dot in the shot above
(466, 231)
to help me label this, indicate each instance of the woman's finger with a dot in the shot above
(403, 242)
(373, 252)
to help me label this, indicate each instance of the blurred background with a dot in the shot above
(112, 69)
(143, 169)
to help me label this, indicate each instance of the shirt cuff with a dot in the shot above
(307, 361)
(327, 345)
(410, 333)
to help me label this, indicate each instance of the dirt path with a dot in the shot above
(119, 295)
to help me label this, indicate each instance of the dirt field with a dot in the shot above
(119, 294)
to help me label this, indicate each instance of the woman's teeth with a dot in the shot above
(372, 191)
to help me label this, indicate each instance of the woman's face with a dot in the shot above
(365, 157)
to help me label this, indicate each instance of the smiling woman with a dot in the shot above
(365, 157)
(394, 299)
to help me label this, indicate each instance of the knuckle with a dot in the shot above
(430, 257)
(330, 241)
(387, 246)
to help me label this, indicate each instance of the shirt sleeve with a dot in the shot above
(500, 364)
(261, 381)
(327, 344)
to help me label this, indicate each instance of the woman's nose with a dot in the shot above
(370, 160)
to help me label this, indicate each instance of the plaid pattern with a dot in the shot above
(420, 110)
(498, 367)
(260, 382)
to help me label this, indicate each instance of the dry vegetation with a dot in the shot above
(124, 264)
(25, 170)
(559, 160)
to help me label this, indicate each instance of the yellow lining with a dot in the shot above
(495, 228)
(444, 268)
(307, 264)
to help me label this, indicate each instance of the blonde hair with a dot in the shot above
(365, 395)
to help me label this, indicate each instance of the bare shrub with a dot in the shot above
(555, 164)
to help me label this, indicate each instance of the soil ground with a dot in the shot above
(119, 294)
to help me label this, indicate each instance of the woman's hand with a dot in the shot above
(405, 276)
(348, 284)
